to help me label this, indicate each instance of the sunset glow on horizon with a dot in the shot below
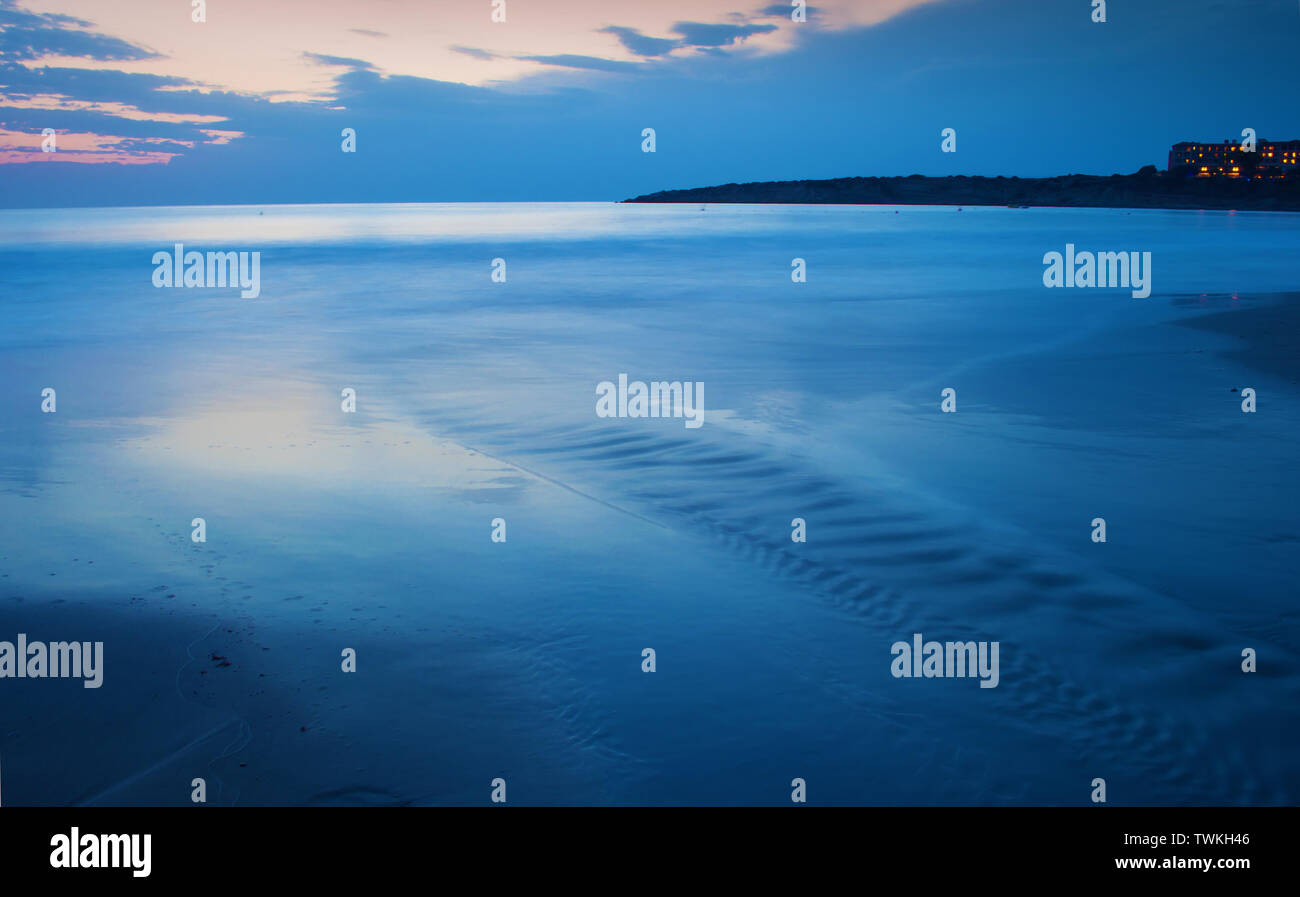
(293, 51)
(123, 102)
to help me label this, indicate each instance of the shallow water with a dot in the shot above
(522, 659)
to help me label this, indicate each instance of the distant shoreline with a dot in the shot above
(1147, 189)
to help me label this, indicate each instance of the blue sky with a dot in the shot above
(150, 107)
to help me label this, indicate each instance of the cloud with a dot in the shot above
(219, 138)
(346, 61)
(573, 61)
(151, 93)
(17, 147)
(641, 45)
(103, 115)
(61, 103)
(537, 82)
(26, 35)
(697, 34)
(160, 144)
(474, 52)
(378, 94)
(693, 34)
(783, 10)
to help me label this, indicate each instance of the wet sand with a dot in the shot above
(328, 530)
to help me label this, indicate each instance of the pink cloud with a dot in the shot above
(84, 148)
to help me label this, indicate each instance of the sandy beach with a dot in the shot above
(371, 530)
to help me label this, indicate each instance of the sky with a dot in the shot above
(150, 107)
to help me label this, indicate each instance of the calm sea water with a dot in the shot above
(523, 659)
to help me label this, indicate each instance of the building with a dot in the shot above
(1216, 160)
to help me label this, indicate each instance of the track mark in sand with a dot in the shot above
(158, 764)
(563, 485)
(356, 796)
(244, 734)
(875, 556)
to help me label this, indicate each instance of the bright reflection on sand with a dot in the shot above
(285, 441)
